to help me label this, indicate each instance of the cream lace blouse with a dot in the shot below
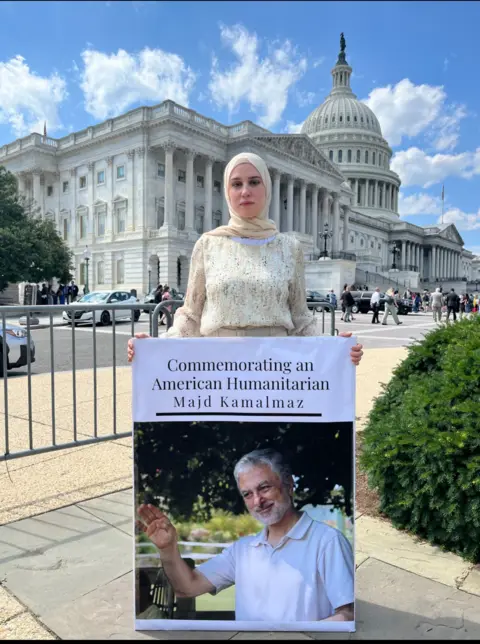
(235, 285)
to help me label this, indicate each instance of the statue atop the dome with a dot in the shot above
(341, 56)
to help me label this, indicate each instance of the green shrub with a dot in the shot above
(421, 446)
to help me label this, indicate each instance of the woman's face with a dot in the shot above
(246, 191)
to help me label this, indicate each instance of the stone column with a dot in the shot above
(141, 216)
(169, 200)
(303, 206)
(37, 190)
(433, 263)
(207, 222)
(290, 204)
(131, 191)
(420, 260)
(346, 213)
(190, 192)
(275, 209)
(72, 233)
(404, 259)
(111, 182)
(365, 194)
(354, 190)
(457, 272)
(91, 200)
(336, 223)
(315, 217)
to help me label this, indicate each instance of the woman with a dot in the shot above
(246, 278)
(166, 295)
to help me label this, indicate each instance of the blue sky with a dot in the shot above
(77, 63)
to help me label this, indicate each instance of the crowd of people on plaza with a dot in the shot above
(62, 294)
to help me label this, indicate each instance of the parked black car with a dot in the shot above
(315, 296)
(362, 303)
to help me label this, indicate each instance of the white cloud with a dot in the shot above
(263, 83)
(415, 167)
(113, 82)
(305, 98)
(27, 99)
(446, 130)
(405, 109)
(293, 128)
(318, 62)
(462, 220)
(418, 204)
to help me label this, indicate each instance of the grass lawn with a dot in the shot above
(223, 601)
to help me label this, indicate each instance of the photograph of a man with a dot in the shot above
(295, 569)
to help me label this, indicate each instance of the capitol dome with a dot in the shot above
(349, 134)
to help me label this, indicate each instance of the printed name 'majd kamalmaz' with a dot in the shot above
(239, 384)
(227, 402)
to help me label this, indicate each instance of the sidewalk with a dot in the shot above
(66, 544)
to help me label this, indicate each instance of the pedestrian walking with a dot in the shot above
(375, 304)
(453, 304)
(437, 302)
(390, 308)
(349, 302)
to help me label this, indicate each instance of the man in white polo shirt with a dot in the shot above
(296, 569)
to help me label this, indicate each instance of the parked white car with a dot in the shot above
(103, 317)
(16, 340)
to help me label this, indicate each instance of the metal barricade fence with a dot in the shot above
(30, 352)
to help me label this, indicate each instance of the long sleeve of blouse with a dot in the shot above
(234, 285)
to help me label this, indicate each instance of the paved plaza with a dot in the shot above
(66, 529)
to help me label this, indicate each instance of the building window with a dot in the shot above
(161, 170)
(120, 271)
(100, 177)
(120, 172)
(200, 181)
(355, 119)
(49, 191)
(339, 156)
(65, 230)
(349, 156)
(120, 215)
(373, 157)
(379, 159)
(379, 246)
(83, 226)
(217, 219)
(326, 120)
(341, 118)
(160, 211)
(83, 182)
(358, 156)
(101, 220)
(330, 155)
(333, 118)
(371, 244)
(182, 176)
(361, 243)
(366, 156)
(217, 186)
(65, 186)
(100, 273)
(199, 222)
(348, 118)
(181, 219)
(352, 239)
(361, 119)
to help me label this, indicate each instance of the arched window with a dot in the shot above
(100, 273)
(348, 118)
(355, 119)
(330, 155)
(326, 120)
(333, 118)
(361, 243)
(349, 156)
(379, 159)
(120, 271)
(339, 156)
(361, 119)
(373, 158)
(341, 118)
(358, 156)
(366, 156)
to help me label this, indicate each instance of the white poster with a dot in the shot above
(244, 484)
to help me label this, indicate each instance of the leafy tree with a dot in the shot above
(30, 249)
(190, 464)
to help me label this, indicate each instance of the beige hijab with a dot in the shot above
(259, 228)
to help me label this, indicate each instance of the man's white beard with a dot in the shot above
(275, 514)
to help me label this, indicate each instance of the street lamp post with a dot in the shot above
(395, 250)
(149, 269)
(87, 256)
(325, 235)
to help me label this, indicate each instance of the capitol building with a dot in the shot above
(140, 188)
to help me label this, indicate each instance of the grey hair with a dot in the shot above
(267, 456)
